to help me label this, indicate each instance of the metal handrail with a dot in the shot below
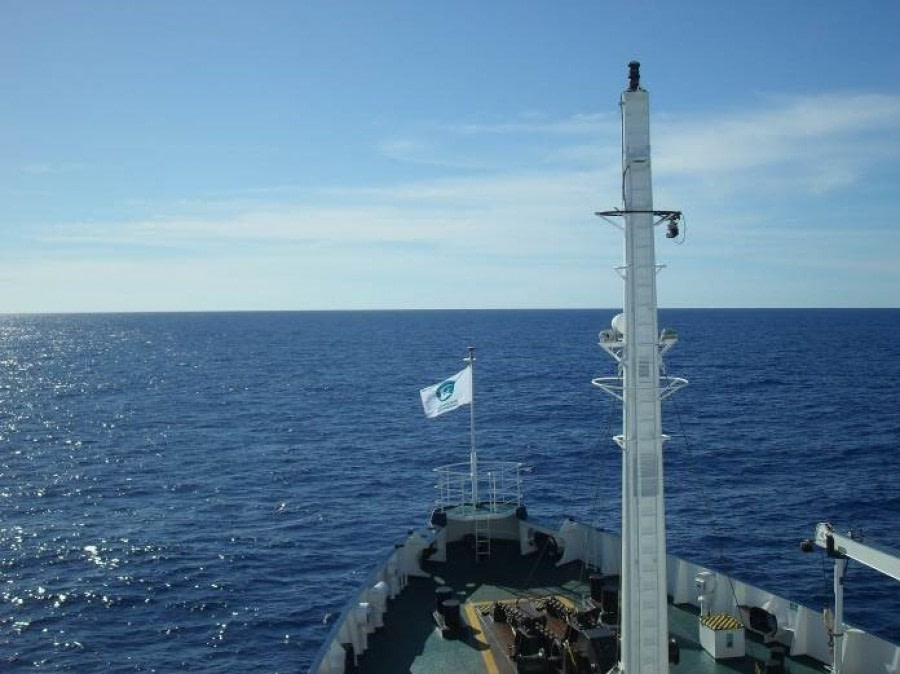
(500, 481)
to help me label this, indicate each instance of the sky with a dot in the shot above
(303, 155)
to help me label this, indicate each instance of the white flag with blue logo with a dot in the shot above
(448, 395)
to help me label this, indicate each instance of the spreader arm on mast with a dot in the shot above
(839, 545)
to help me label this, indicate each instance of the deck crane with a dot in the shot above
(841, 548)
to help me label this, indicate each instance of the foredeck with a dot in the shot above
(411, 642)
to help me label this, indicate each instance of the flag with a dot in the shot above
(448, 395)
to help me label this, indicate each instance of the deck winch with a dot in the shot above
(546, 636)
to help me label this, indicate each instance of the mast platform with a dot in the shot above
(498, 492)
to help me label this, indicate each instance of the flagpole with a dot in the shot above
(473, 456)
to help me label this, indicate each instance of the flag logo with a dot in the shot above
(445, 390)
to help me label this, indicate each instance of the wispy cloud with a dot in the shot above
(815, 143)
(430, 153)
(503, 215)
(581, 124)
(52, 168)
(498, 222)
(818, 143)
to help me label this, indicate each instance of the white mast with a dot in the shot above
(637, 345)
(473, 455)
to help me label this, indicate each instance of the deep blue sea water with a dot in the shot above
(202, 491)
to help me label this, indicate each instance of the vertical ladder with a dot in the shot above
(482, 536)
(483, 523)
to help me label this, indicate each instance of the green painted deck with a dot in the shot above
(410, 641)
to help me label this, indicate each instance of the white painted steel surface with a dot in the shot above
(634, 343)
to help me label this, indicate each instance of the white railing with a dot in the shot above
(499, 486)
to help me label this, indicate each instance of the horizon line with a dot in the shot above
(137, 312)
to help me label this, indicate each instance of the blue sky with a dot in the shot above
(222, 155)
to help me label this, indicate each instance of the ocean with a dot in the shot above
(201, 492)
